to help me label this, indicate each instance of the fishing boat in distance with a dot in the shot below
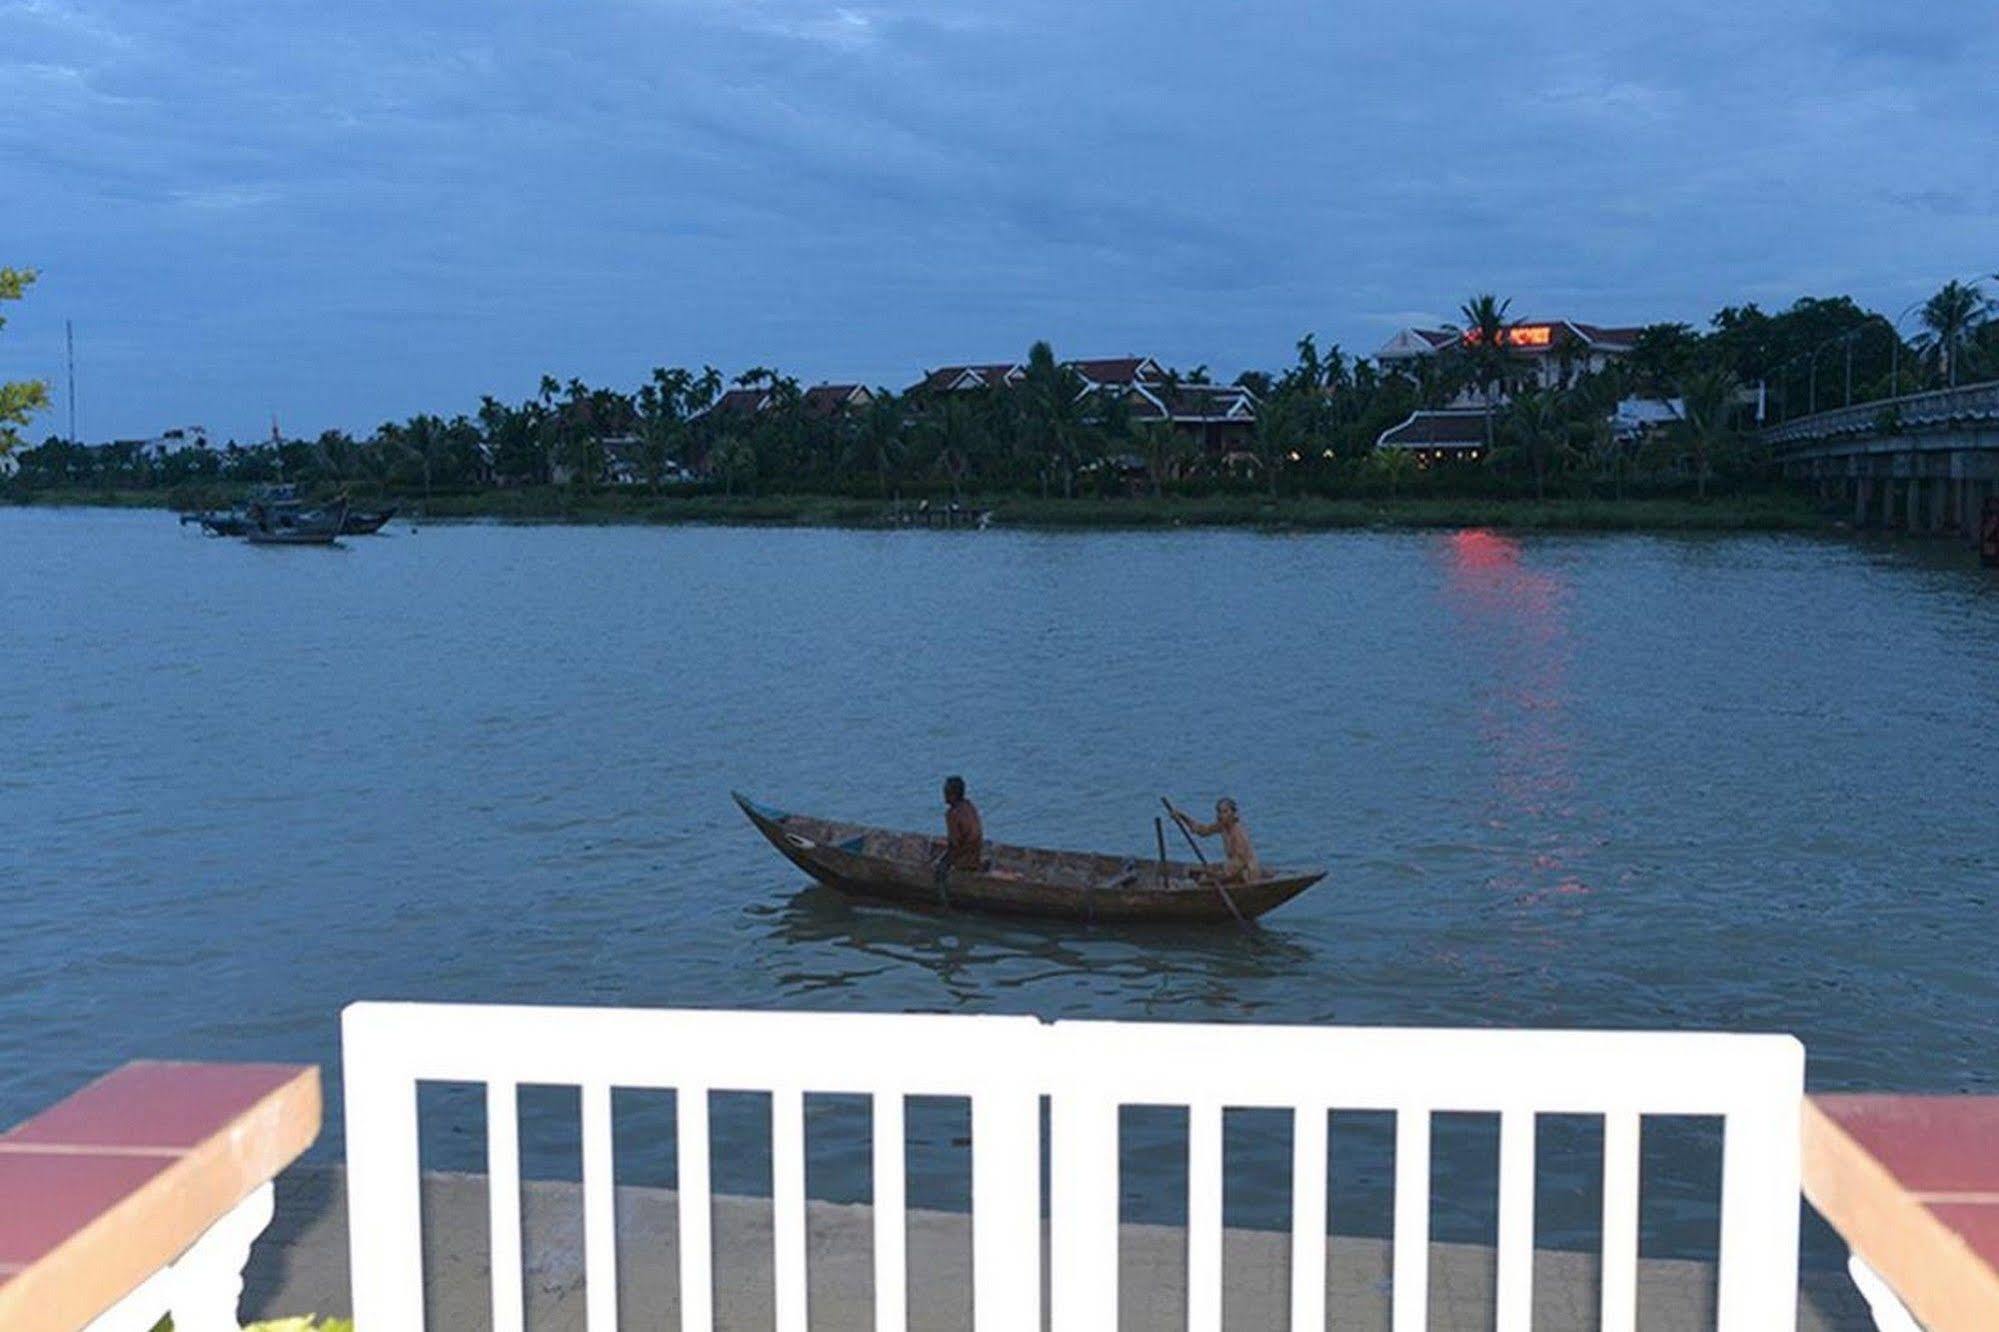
(289, 525)
(898, 867)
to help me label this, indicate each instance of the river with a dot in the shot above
(1748, 783)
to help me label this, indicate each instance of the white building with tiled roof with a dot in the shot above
(1548, 353)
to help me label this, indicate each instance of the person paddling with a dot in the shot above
(1240, 864)
(964, 831)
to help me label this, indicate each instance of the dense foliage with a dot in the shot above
(1316, 423)
(22, 398)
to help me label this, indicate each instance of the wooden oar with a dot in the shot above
(1201, 856)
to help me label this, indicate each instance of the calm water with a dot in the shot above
(1604, 781)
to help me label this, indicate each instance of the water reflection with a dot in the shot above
(1512, 629)
(978, 959)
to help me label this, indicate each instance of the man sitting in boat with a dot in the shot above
(1241, 865)
(964, 831)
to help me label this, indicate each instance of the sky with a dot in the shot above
(333, 214)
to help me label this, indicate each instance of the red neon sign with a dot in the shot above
(1519, 335)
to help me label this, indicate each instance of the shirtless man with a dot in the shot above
(964, 831)
(1241, 865)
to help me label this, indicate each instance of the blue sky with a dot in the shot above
(343, 212)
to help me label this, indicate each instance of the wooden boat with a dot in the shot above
(1016, 880)
(293, 527)
(219, 522)
(366, 522)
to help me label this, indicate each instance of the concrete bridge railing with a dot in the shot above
(1971, 406)
(1928, 462)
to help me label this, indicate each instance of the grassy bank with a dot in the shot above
(1752, 513)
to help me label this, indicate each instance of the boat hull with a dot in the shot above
(366, 522)
(892, 867)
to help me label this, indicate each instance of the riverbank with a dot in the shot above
(1775, 512)
(301, 1265)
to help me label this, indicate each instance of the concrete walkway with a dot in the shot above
(300, 1266)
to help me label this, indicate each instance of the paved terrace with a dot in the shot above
(301, 1266)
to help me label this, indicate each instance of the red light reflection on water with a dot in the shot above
(1513, 630)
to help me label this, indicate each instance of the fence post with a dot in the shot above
(384, 1201)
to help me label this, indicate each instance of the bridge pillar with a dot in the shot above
(1915, 523)
(1939, 505)
(1888, 503)
(1863, 494)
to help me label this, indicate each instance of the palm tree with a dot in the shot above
(332, 457)
(1485, 347)
(423, 439)
(1594, 401)
(1394, 465)
(1950, 318)
(953, 432)
(1276, 435)
(734, 459)
(878, 442)
(1050, 392)
(1536, 421)
(1163, 447)
(1707, 404)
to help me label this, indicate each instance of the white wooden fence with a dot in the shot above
(1087, 1070)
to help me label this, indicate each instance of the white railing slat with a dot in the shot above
(891, 1163)
(600, 1220)
(697, 1262)
(503, 1202)
(1410, 1262)
(787, 1179)
(1006, 1209)
(1757, 1286)
(1620, 1222)
(1308, 1219)
(1515, 1296)
(1083, 1212)
(1204, 1217)
(384, 1179)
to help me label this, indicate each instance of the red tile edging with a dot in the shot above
(111, 1184)
(1912, 1184)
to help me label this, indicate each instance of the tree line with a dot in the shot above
(1316, 421)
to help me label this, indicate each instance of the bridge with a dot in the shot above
(1928, 462)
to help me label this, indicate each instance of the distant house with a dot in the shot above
(1118, 371)
(740, 402)
(823, 400)
(1639, 419)
(156, 448)
(968, 378)
(1456, 433)
(625, 464)
(1548, 353)
(1217, 417)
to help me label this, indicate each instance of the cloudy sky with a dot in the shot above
(339, 211)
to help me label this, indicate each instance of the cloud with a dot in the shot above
(422, 203)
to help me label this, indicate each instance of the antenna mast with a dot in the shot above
(69, 342)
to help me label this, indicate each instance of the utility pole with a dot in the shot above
(69, 343)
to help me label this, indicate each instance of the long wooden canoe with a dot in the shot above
(1016, 880)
